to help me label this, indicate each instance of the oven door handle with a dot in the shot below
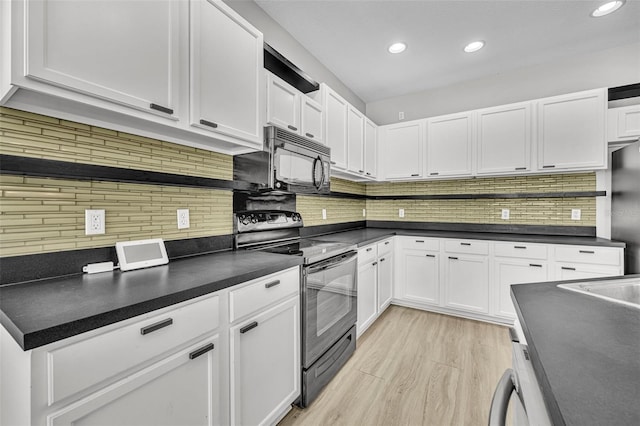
(500, 402)
(332, 263)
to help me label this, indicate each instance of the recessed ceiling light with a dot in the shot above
(474, 46)
(397, 47)
(608, 8)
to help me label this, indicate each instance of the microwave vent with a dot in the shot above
(283, 135)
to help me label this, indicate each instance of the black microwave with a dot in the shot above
(288, 163)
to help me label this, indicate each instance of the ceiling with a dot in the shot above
(350, 37)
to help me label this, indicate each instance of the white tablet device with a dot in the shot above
(141, 254)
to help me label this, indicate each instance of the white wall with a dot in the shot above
(278, 38)
(609, 68)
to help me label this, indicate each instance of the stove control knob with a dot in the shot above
(244, 220)
(254, 219)
(296, 217)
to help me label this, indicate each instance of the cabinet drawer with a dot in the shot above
(85, 363)
(588, 254)
(521, 250)
(420, 243)
(385, 247)
(466, 246)
(367, 254)
(262, 292)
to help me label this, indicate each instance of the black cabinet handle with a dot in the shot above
(566, 268)
(520, 247)
(587, 251)
(157, 326)
(521, 168)
(374, 263)
(370, 248)
(292, 128)
(208, 123)
(161, 109)
(434, 174)
(360, 171)
(419, 241)
(333, 162)
(453, 258)
(416, 174)
(386, 243)
(465, 244)
(249, 327)
(368, 174)
(535, 265)
(431, 255)
(203, 350)
(550, 166)
(272, 284)
(309, 135)
(382, 260)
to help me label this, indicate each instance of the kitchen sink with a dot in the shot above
(623, 291)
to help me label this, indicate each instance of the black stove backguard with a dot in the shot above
(243, 201)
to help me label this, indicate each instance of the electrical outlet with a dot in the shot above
(505, 214)
(364, 212)
(401, 115)
(576, 214)
(324, 214)
(94, 222)
(183, 218)
(400, 212)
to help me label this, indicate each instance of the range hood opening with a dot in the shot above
(283, 68)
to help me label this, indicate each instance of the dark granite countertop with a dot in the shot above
(41, 312)
(585, 353)
(366, 236)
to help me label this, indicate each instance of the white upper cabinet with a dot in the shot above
(402, 149)
(449, 145)
(283, 104)
(335, 109)
(571, 131)
(355, 140)
(125, 52)
(504, 139)
(312, 119)
(226, 63)
(623, 123)
(370, 148)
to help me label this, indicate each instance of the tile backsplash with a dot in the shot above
(40, 215)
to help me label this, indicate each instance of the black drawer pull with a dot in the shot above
(566, 268)
(520, 247)
(550, 166)
(433, 255)
(249, 327)
(374, 263)
(382, 260)
(415, 174)
(453, 258)
(535, 265)
(333, 162)
(309, 135)
(208, 123)
(368, 174)
(465, 244)
(203, 350)
(370, 248)
(521, 168)
(587, 251)
(360, 171)
(272, 284)
(419, 241)
(157, 326)
(434, 174)
(161, 109)
(292, 128)
(386, 243)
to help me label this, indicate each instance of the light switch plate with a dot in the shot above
(505, 214)
(94, 222)
(183, 219)
(576, 214)
(364, 212)
(400, 212)
(324, 214)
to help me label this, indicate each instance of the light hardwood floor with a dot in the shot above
(414, 368)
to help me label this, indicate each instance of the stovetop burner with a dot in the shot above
(312, 250)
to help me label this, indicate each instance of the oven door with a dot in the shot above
(329, 301)
(300, 170)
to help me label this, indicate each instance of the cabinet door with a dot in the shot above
(126, 52)
(467, 283)
(265, 364)
(449, 145)
(515, 271)
(571, 131)
(569, 271)
(385, 281)
(504, 139)
(355, 140)
(623, 123)
(367, 295)
(370, 148)
(312, 119)
(182, 389)
(335, 109)
(226, 64)
(420, 276)
(283, 104)
(403, 150)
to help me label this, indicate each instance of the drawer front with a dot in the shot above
(520, 250)
(420, 243)
(262, 292)
(467, 246)
(82, 364)
(367, 254)
(385, 247)
(589, 254)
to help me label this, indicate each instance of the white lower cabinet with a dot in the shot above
(183, 389)
(466, 282)
(367, 295)
(509, 271)
(420, 273)
(265, 364)
(375, 282)
(385, 280)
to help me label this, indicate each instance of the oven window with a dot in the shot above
(332, 293)
(294, 168)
